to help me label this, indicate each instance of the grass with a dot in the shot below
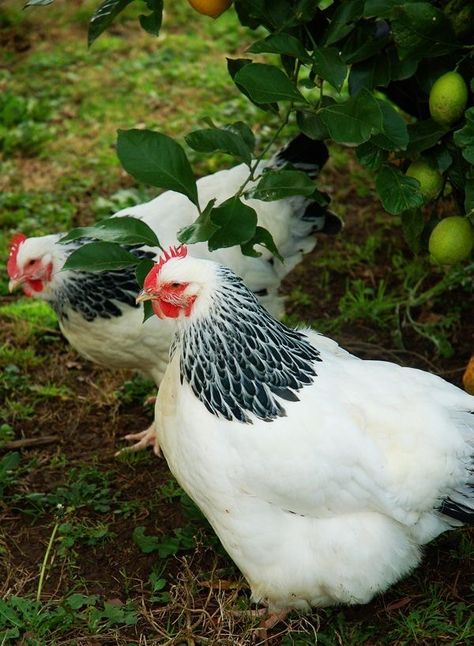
(96, 549)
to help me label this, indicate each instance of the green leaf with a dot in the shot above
(123, 230)
(264, 238)
(413, 226)
(395, 134)
(152, 22)
(201, 229)
(370, 155)
(355, 120)
(423, 135)
(237, 223)
(100, 256)
(277, 185)
(310, 124)
(397, 192)
(342, 21)
(234, 65)
(156, 159)
(464, 138)
(421, 30)
(374, 72)
(329, 66)
(281, 44)
(222, 139)
(380, 8)
(267, 84)
(103, 17)
(147, 544)
(242, 129)
(469, 197)
(141, 272)
(364, 41)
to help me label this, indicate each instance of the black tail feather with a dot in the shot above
(303, 153)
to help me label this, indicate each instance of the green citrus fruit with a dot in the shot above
(212, 8)
(451, 240)
(431, 180)
(448, 98)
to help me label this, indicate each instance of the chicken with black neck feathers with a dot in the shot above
(97, 311)
(322, 474)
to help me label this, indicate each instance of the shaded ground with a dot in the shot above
(132, 560)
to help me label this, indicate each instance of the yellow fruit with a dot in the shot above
(451, 240)
(468, 377)
(431, 180)
(448, 98)
(212, 8)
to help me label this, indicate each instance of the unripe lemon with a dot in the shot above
(448, 98)
(212, 8)
(431, 180)
(451, 240)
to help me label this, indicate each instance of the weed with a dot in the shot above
(362, 302)
(86, 487)
(181, 539)
(8, 464)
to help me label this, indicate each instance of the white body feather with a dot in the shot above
(331, 503)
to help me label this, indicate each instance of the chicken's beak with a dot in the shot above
(15, 283)
(144, 295)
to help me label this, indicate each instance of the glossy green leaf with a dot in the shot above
(343, 20)
(355, 120)
(397, 191)
(100, 256)
(267, 84)
(222, 139)
(311, 125)
(394, 134)
(277, 185)
(264, 238)
(464, 138)
(421, 30)
(152, 22)
(371, 73)
(413, 226)
(329, 66)
(103, 17)
(281, 44)
(234, 65)
(142, 270)
(237, 223)
(123, 230)
(156, 159)
(371, 156)
(201, 229)
(423, 135)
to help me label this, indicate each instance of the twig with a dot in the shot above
(29, 442)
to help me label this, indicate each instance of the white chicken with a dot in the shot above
(322, 474)
(97, 311)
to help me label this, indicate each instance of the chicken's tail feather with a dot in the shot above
(460, 504)
(303, 153)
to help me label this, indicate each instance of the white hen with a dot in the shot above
(97, 311)
(321, 473)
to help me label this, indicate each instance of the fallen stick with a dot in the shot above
(29, 442)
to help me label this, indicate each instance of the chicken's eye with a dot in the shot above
(30, 262)
(175, 285)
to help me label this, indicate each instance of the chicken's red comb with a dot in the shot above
(16, 241)
(173, 252)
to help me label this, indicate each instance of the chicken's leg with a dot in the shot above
(145, 438)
